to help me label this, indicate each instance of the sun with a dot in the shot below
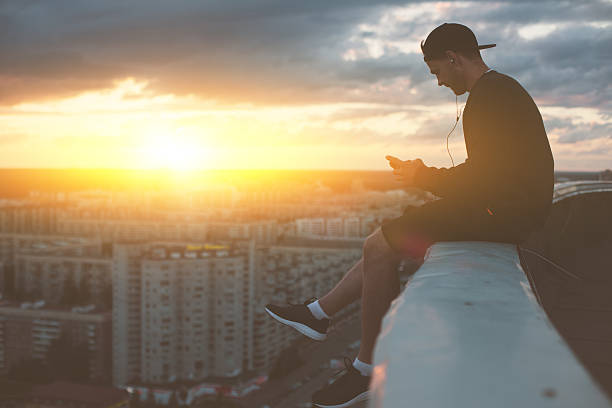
(173, 150)
(173, 154)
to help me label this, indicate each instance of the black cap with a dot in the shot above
(450, 37)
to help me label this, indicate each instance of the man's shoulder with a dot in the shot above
(494, 81)
(495, 88)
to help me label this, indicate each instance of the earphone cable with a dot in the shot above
(555, 265)
(459, 112)
(530, 277)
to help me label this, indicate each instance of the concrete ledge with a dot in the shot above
(468, 332)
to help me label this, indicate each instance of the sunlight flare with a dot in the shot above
(166, 148)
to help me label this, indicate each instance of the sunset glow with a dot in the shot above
(173, 149)
(316, 105)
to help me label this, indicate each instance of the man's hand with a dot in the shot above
(404, 171)
(394, 162)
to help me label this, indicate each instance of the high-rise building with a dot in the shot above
(179, 311)
(126, 355)
(12, 244)
(36, 267)
(27, 217)
(28, 330)
(131, 229)
(47, 275)
(191, 312)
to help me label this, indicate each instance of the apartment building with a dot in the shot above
(192, 313)
(24, 216)
(185, 312)
(14, 243)
(23, 263)
(310, 226)
(132, 229)
(352, 227)
(42, 271)
(178, 311)
(126, 277)
(337, 227)
(28, 330)
(261, 231)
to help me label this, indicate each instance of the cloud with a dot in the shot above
(278, 52)
(567, 131)
(271, 53)
(245, 51)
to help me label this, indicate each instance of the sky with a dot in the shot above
(283, 84)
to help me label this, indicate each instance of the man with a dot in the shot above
(501, 193)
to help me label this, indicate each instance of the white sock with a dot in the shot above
(363, 368)
(317, 311)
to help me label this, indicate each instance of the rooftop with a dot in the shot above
(94, 395)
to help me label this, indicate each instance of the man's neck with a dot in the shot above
(474, 74)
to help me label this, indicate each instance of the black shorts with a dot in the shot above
(447, 220)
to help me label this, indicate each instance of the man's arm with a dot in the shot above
(442, 182)
(445, 182)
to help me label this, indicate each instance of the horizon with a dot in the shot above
(19, 183)
(196, 171)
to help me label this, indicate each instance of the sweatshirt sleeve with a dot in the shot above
(445, 182)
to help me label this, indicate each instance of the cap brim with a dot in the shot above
(482, 47)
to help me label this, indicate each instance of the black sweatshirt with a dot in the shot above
(509, 168)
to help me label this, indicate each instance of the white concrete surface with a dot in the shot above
(468, 332)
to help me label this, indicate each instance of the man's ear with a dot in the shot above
(451, 57)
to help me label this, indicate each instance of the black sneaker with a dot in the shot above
(349, 389)
(301, 319)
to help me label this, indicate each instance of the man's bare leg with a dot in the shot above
(345, 292)
(380, 285)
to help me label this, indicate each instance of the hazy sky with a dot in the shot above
(282, 83)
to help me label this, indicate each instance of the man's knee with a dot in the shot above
(377, 247)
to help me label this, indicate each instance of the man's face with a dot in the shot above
(447, 74)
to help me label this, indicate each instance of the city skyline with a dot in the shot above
(278, 85)
(161, 292)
